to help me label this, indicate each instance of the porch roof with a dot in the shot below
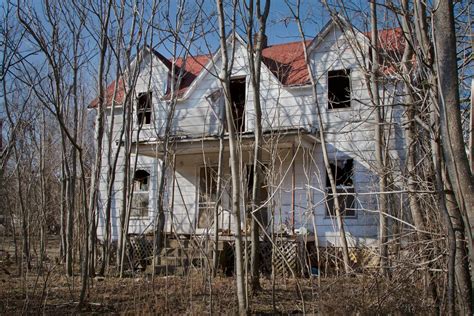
(182, 144)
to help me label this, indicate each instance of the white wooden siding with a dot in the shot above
(349, 133)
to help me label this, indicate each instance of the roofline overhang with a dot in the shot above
(210, 143)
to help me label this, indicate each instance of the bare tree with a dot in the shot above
(296, 14)
(225, 75)
(379, 138)
(255, 45)
(454, 151)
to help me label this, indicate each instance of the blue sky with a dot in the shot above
(281, 27)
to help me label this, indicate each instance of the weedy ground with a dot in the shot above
(51, 292)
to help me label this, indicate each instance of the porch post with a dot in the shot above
(293, 187)
(172, 193)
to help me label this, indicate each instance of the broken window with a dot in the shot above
(141, 194)
(262, 214)
(237, 93)
(207, 196)
(343, 173)
(217, 105)
(144, 108)
(339, 89)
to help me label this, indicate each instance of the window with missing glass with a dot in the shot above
(339, 89)
(238, 96)
(141, 194)
(343, 174)
(144, 108)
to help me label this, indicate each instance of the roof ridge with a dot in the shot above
(192, 56)
(287, 43)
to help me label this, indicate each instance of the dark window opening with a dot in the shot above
(207, 196)
(339, 89)
(144, 108)
(141, 196)
(262, 213)
(237, 93)
(342, 172)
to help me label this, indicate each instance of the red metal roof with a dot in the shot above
(109, 94)
(193, 67)
(286, 61)
(392, 40)
(392, 44)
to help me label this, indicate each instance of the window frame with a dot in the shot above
(341, 188)
(144, 112)
(243, 127)
(330, 103)
(141, 192)
(198, 196)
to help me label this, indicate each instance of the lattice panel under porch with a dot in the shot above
(141, 251)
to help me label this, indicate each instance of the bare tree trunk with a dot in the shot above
(255, 46)
(322, 139)
(69, 211)
(63, 216)
(234, 159)
(88, 264)
(454, 151)
(462, 262)
(178, 73)
(409, 121)
(411, 140)
(126, 181)
(160, 219)
(220, 172)
(112, 167)
(24, 217)
(99, 134)
(73, 172)
(42, 150)
(66, 203)
(471, 134)
(379, 142)
(112, 162)
(441, 201)
(129, 83)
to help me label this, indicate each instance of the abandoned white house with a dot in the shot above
(295, 187)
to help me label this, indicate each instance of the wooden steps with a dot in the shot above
(177, 257)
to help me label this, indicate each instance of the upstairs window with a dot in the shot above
(144, 108)
(339, 89)
(237, 92)
(141, 194)
(343, 173)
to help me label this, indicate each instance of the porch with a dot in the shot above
(192, 173)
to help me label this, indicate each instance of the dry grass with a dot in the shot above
(53, 293)
(56, 294)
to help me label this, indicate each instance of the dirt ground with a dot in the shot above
(53, 293)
